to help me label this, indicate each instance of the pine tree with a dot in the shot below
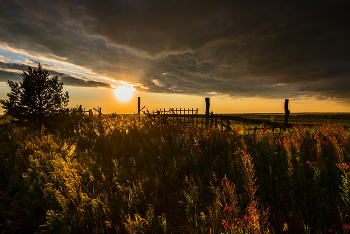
(37, 97)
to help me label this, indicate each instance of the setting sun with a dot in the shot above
(123, 93)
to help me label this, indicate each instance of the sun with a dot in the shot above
(123, 93)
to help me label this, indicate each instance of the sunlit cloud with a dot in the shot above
(222, 95)
(157, 82)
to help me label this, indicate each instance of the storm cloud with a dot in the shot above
(14, 72)
(271, 49)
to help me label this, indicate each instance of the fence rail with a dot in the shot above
(190, 116)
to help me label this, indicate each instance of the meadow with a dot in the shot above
(131, 174)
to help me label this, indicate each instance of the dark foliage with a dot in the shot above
(37, 97)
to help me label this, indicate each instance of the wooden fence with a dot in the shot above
(191, 117)
(90, 111)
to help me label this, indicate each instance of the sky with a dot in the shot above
(246, 56)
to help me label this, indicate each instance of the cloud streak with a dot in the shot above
(13, 72)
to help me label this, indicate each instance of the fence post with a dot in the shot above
(207, 106)
(138, 105)
(255, 128)
(192, 119)
(228, 128)
(286, 114)
(222, 126)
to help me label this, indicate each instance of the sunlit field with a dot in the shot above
(131, 174)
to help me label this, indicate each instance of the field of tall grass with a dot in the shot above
(130, 174)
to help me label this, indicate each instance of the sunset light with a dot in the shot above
(123, 93)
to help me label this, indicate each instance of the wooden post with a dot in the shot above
(286, 114)
(216, 120)
(228, 128)
(255, 128)
(138, 105)
(100, 113)
(192, 119)
(222, 126)
(207, 107)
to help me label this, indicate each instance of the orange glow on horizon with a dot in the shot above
(106, 99)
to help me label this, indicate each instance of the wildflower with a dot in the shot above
(330, 230)
(228, 208)
(275, 152)
(343, 166)
(243, 152)
(246, 217)
(328, 134)
(286, 141)
(346, 226)
(301, 133)
(308, 162)
(316, 136)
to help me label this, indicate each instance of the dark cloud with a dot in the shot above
(6, 76)
(8, 72)
(13, 66)
(80, 82)
(273, 49)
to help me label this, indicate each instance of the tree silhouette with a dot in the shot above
(36, 97)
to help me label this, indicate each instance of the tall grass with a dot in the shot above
(129, 174)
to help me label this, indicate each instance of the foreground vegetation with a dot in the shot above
(126, 174)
